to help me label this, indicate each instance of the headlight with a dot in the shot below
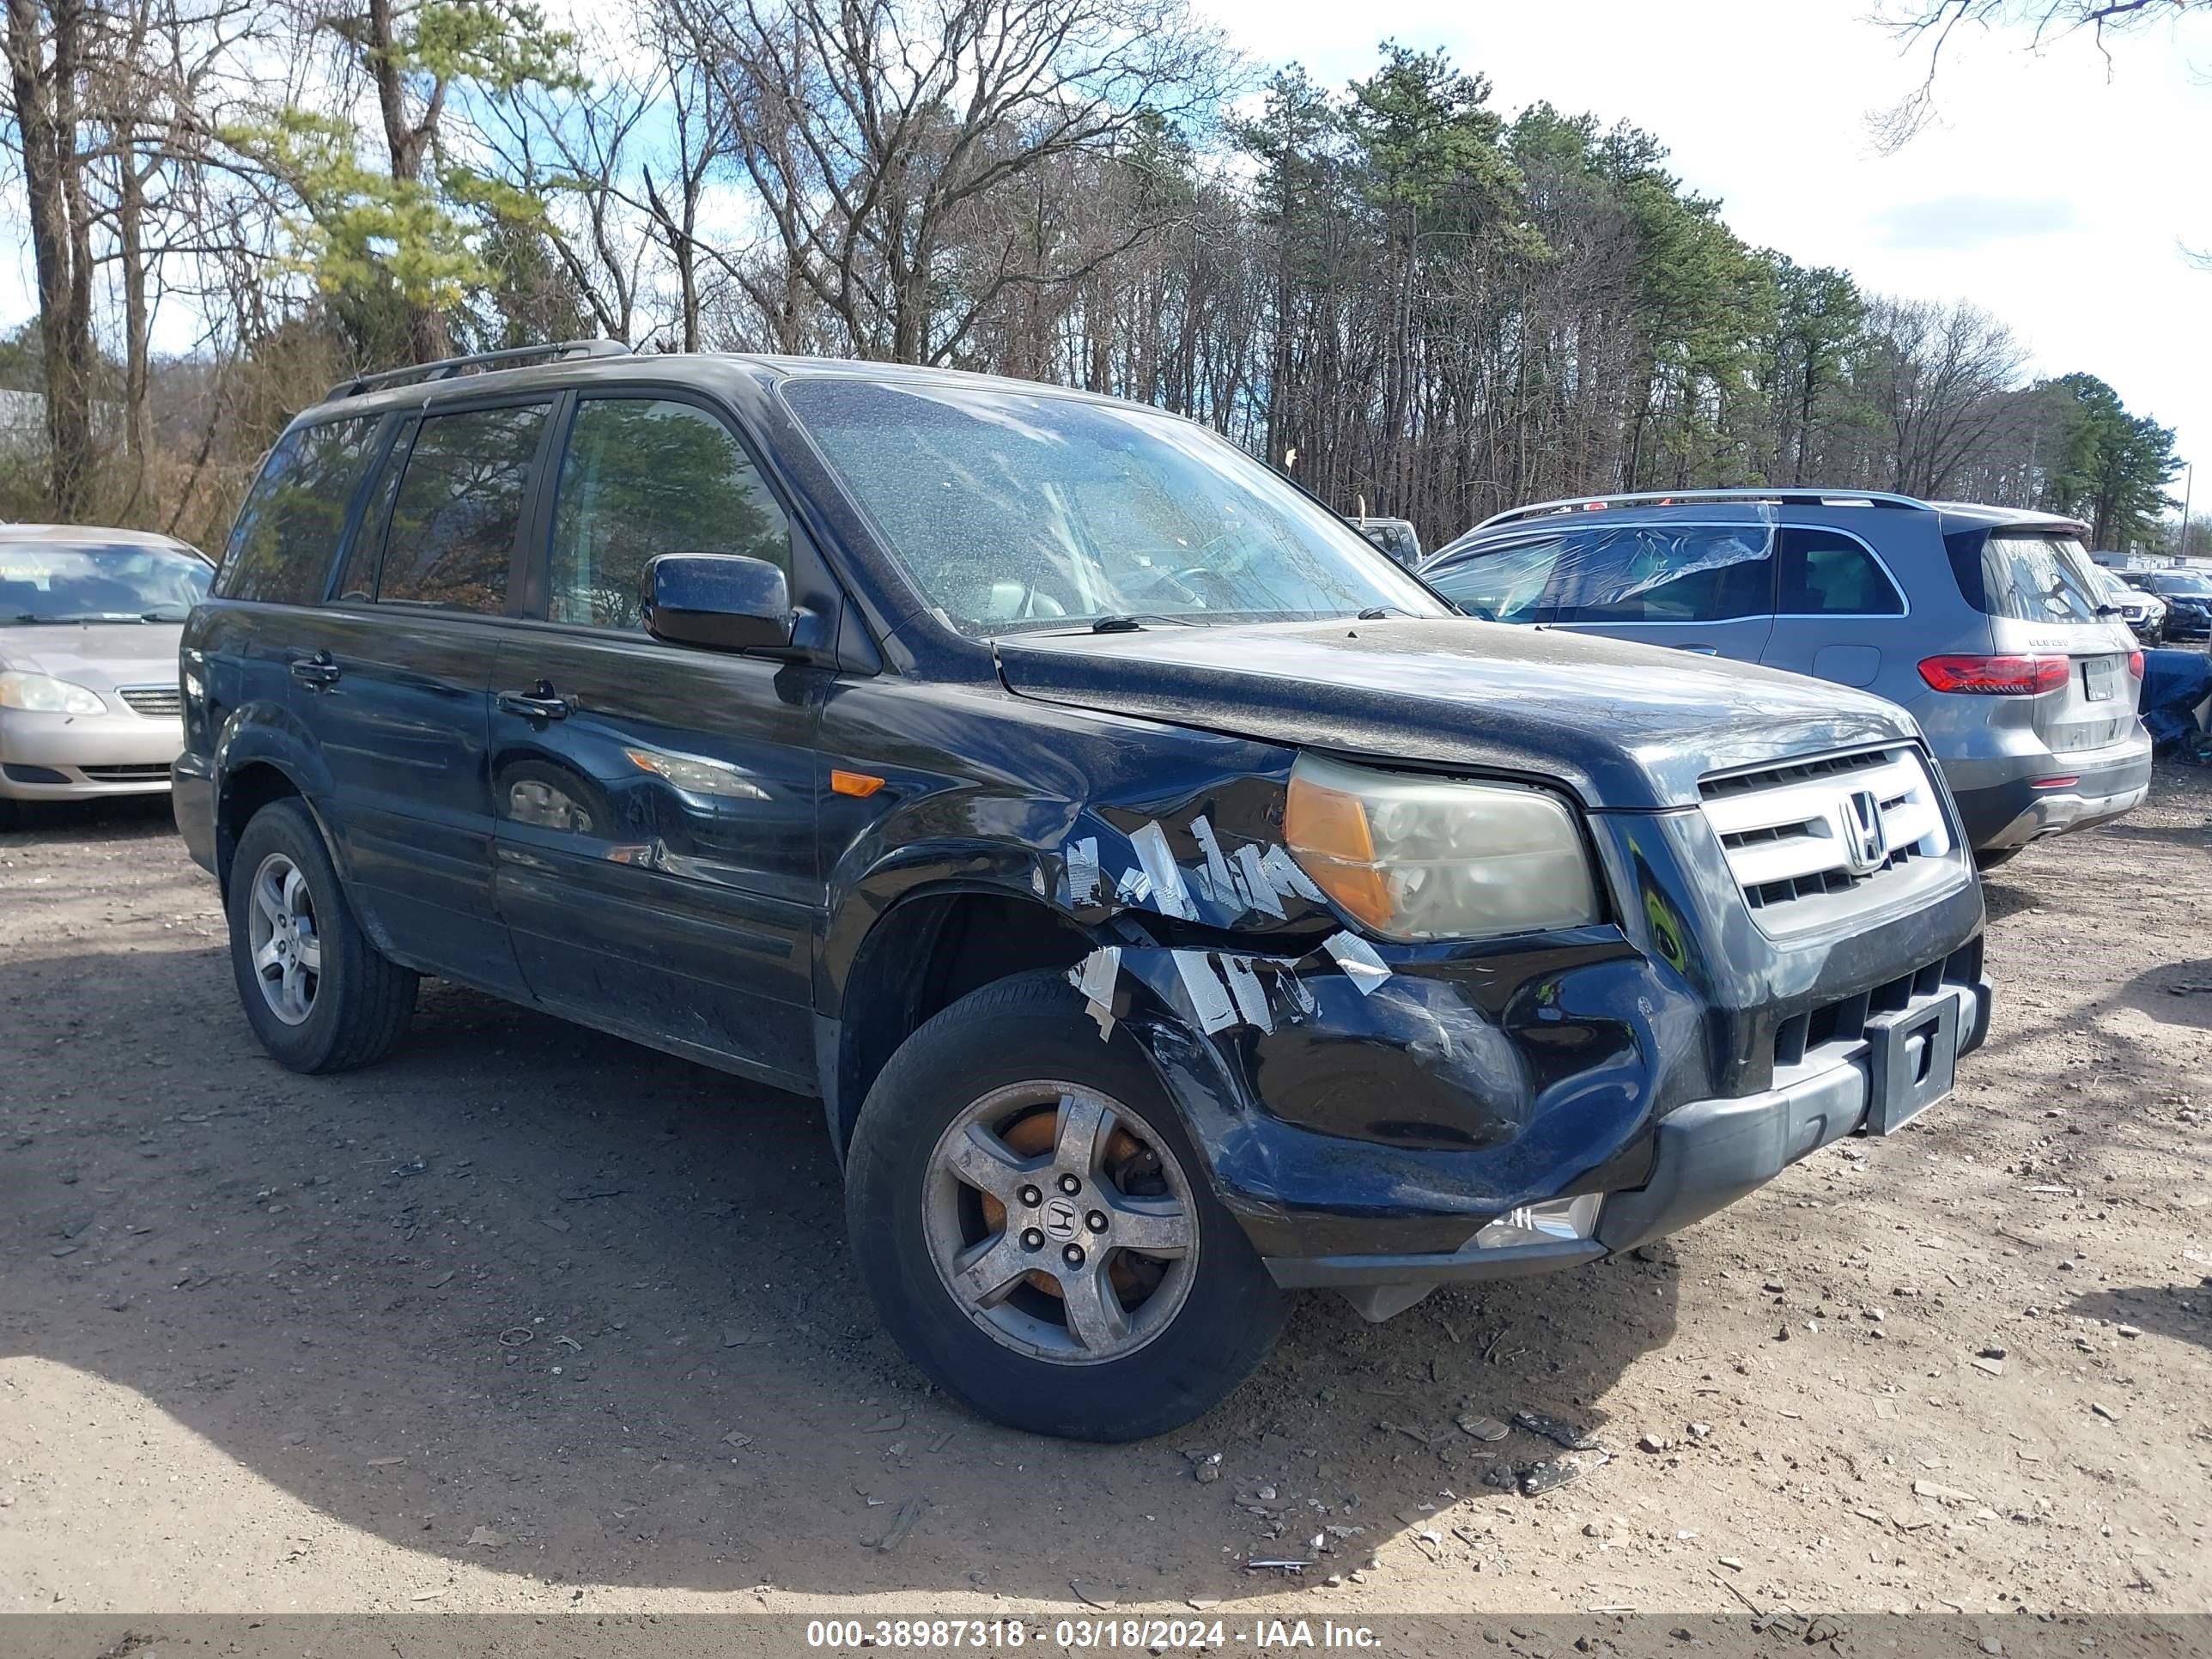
(42, 693)
(1418, 858)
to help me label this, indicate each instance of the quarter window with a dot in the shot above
(1827, 574)
(643, 478)
(288, 529)
(459, 504)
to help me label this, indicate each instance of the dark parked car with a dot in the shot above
(2188, 596)
(1170, 904)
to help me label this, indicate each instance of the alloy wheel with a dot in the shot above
(282, 934)
(1060, 1223)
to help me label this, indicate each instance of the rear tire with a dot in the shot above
(1081, 1336)
(1991, 858)
(320, 996)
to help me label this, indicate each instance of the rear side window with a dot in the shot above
(2036, 579)
(458, 508)
(1824, 574)
(1664, 573)
(287, 531)
(645, 477)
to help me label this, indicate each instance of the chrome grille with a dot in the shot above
(1837, 827)
(154, 702)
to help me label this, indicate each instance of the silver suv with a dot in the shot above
(1987, 624)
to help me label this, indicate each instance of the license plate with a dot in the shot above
(2100, 680)
(1912, 1063)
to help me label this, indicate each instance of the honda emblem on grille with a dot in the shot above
(1866, 842)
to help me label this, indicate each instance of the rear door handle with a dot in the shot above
(318, 671)
(542, 703)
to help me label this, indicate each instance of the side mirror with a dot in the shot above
(721, 601)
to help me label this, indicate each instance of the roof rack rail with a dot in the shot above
(1788, 495)
(510, 357)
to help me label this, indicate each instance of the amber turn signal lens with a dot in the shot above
(859, 784)
(1327, 833)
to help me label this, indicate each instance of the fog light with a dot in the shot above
(1536, 1224)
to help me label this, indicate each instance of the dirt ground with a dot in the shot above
(527, 1319)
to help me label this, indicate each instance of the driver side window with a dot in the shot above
(645, 477)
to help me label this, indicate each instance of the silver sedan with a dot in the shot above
(89, 624)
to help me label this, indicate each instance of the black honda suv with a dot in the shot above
(1172, 903)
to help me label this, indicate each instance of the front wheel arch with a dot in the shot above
(922, 954)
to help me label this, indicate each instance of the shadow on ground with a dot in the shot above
(106, 819)
(2182, 1311)
(526, 1277)
(2173, 993)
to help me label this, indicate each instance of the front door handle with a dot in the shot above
(542, 703)
(317, 673)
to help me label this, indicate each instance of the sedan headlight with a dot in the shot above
(42, 693)
(1420, 858)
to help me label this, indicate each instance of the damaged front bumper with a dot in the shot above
(1705, 1156)
(1384, 1121)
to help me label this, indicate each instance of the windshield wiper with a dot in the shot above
(1135, 622)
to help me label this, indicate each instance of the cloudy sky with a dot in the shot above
(2056, 190)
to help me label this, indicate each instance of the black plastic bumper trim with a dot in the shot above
(1708, 1154)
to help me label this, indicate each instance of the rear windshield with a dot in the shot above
(80, 582)
(2038, 579)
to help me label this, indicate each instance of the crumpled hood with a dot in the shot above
(1623, 726)
(98, 655)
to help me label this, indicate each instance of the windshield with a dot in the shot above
(1015, 511)
(2039, 579)
(2187, 582)
(80, 581)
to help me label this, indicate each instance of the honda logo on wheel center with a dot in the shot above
(1060, 1218)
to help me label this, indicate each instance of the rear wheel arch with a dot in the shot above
(921, 956)
(244, 791)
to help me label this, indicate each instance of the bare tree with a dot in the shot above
(1939, 378)
(868, 129)
(45, 46)
(1930, 24)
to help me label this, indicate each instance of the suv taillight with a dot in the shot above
(2135, 664)
(1998, 677)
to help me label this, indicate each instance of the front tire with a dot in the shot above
(320, 996)
(1038, 1233)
